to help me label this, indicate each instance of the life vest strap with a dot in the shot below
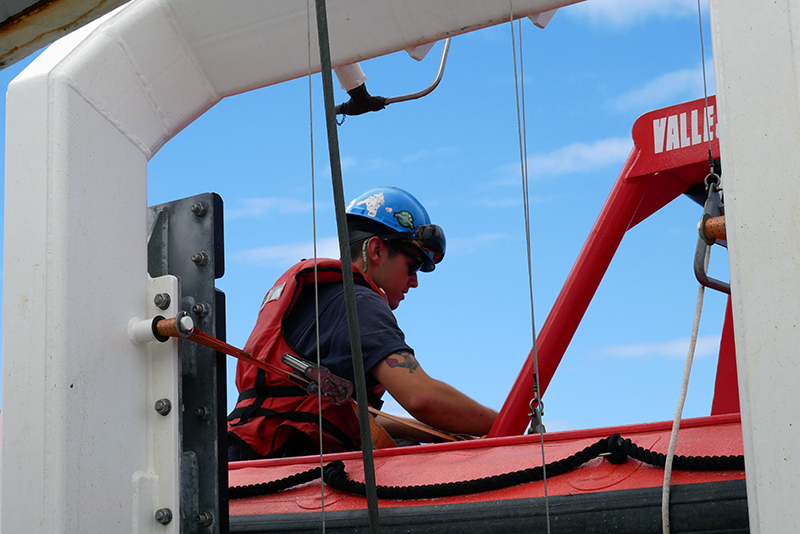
(300, 417)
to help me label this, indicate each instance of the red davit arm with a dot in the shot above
(669, 156)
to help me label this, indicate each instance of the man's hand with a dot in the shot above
(429, 400)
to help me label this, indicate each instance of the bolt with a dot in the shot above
(164, 516)
(202, 309)
(200, 258)
(162, 301)
(163, 406)
(199, 208)
(203, 413)
(186, 324)
(205, 519)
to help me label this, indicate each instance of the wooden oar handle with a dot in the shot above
(715, 228)
(380, 437)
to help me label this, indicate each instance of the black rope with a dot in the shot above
(266, 488)
(617, 449)
(347, 270)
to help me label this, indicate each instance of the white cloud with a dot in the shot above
(626, 12)
(347, 162)
(288, 254)
(253, 207)
(668, 88)
(673, 348)
(580, 157)
(577, 157)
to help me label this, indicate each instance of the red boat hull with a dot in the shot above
(595, 493)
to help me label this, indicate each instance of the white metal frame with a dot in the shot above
(83, 121)
(757, 58)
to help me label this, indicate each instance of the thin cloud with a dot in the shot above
(668, 88)
(288, 254)
(347, 162)
(626, 12)
(579, 157)
(255, 207)
(673, 348)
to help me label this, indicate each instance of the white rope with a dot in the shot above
(676, 423)
(519, 80)
(316, 281)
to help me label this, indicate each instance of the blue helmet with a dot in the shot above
(401, 218)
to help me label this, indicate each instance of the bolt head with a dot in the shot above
(163, 516)
(163, 406)
(162, 301)
(200, 209)
(202, 309)
(200, 258)
(205, 519)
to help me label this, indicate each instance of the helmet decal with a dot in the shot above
(373, 203)
(405, 219)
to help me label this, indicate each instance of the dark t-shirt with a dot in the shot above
(380, 335)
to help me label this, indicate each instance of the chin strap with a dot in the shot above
(364, 254)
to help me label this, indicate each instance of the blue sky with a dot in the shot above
(588, 76)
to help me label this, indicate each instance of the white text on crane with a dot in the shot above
(675, 131)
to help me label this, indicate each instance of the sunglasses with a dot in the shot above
(414, 266)
(428, 237)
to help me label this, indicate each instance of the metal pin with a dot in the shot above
(186, 324)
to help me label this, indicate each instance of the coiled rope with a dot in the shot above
(617, 449)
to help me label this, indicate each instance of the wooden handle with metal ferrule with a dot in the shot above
(167, 328)
(715, 228)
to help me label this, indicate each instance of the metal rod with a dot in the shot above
(431, 87)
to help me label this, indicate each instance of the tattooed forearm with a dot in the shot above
(403, 359)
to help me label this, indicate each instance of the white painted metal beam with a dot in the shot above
(28, 25)
(756, 59)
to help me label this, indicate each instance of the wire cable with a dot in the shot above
(523, 151)
(705, 88)
(314, 233)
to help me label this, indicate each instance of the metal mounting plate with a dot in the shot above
(185, 239)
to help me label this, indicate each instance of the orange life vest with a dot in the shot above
(270, 406)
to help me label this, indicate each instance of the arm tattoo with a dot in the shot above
(403, 359)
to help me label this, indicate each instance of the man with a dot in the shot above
(391, 238)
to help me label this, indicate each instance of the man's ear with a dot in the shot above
(376, 250)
